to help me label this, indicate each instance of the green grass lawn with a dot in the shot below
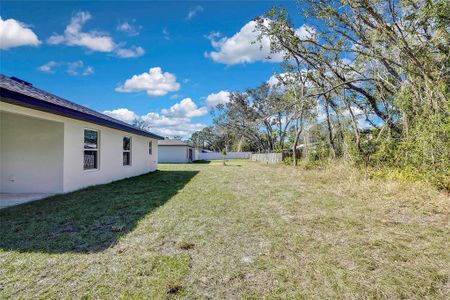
(244, 230)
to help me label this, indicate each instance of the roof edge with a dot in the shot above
(20, 99)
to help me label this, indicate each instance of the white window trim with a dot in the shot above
(98, 150)
(150, 147)
(131, 148)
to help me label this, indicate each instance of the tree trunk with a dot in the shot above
(330, 131)
(306, 146)
(294, 145)
(355, 126)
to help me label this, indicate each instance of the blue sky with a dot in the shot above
(88, 52)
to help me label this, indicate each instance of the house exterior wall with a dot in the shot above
(110, 147)
(173, 154)
(31, 154)
(110, 160)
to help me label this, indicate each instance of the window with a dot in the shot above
(127, 151)
(150, 145)
(90, 149)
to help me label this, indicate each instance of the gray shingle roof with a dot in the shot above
(20, 92)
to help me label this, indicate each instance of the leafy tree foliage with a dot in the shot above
(369, 83)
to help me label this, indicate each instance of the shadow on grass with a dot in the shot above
(89, 220)
(201, 162)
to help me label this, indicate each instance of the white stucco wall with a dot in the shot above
(173, 154)
(31, 154)
(110, 159)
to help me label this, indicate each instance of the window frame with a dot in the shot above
(95, 150)
(150, 147)
(127, 151)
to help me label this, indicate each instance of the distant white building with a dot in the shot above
(175, 151)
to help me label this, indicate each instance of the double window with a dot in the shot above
(90, 149)
(127, 151)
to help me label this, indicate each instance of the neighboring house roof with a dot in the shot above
(19, 92)
(172, 142)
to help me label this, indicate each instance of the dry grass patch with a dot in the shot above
(244, 230)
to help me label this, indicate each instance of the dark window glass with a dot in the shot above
(150, 145)
(90, 159)
(126, 151)
(126, 158)
(90, 139)
(126, 143)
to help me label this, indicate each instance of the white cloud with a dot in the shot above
(184, 130)
(73, 36)
(193, 11)
(305, 32)
(72, 68)
(122, 114)
(170, 126)
(158, 123)
(185, 109)
(131, 52)
(15, 34)
(154, 82)
(93, 40)
(129, 28)
(215, 99)
(49, 67)
(242, 47)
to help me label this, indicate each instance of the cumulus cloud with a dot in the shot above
(154, 82)
(244, 46)
(215, 99)
(72, 68)
(49, 67)
(130, 52)
(173, 121)
(122, 114)
(305, 32)
(186, 108)
(193, 11)
(170, 126)
(15, 34)
(93, 40)
(73, 36)
(158, 123)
